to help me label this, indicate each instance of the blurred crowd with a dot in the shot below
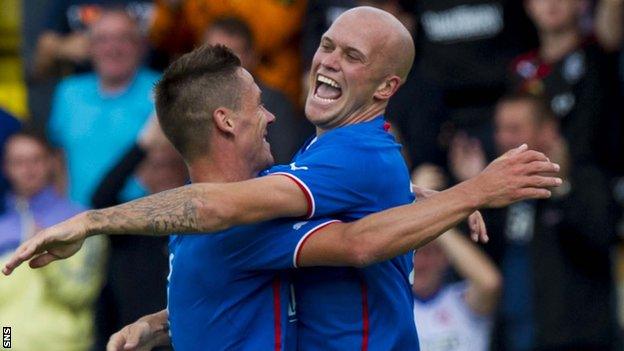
(78, 130)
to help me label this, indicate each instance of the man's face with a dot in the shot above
(430, 263)
(346, 70)
(237, 44)
(116, 47)
(554, 15)
(515, 124)
(163, 169)
(252, 120)
(27, 165)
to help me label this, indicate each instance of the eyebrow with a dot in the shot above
(348, 49)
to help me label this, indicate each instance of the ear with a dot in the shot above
(387, 88)
(223, 121)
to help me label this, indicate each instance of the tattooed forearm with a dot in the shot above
(172, 211)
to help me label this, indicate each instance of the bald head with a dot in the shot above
(361, 62)
(391, 41)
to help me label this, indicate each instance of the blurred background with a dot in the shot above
(78, 131)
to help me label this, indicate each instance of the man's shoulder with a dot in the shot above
(78, 82)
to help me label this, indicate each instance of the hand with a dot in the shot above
(137, 336)
(466, 157)
(54, 243)
(519, 174)
(478, 230)
(74, 47)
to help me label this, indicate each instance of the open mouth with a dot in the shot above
(327, 89)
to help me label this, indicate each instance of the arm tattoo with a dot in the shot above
(175, 210)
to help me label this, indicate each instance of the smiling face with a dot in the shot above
(251, 123)
(115, 46)
(355, 71)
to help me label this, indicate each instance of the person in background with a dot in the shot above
(577, 76)
(136, 264)
(96, 116)
(61, 295)
(554, 254)
(458, 315)
(8, 126)
(64, 45)
(452, 315)
(289, 130)
(179, 26)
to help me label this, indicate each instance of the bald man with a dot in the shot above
(352, 168)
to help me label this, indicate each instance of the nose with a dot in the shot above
(331, 60)
(270, 117)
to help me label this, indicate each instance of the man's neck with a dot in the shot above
(364, 114)
(555, 45)
(219, 170)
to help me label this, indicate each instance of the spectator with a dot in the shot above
(179, 25)
(136, 263)
(578, 78)
(554, 253)
(8, 126)
(60, 295)
(64, 45)
(456, 316)
(463, 48)
(96, 116)
(12, 84)
(289, 130)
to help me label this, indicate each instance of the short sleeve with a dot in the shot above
(333, 179)
(274, 245)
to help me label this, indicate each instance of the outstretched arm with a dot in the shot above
(517, 175)
(202, 207)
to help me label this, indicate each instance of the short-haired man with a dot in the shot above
(332, 174)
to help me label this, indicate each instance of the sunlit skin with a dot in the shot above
(27, 165)
(368, 65)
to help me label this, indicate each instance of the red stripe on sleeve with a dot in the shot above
(305, 191)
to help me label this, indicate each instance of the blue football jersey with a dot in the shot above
(347, 173)
(231, 290)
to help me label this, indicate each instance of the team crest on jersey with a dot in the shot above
(298, 225)
(293, 167)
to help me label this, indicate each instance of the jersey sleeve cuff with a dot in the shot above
(305, 237)
(306, 192)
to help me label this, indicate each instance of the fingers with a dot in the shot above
(23, 253)
(534, 193)
(537, 181)
(116, 342)
(542, 167)
(515, 151)
(530, 156)
(42, 260)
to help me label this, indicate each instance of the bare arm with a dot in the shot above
(202, 207)
(381, 236)
(146, 333)
(484, 279)
(609, 24)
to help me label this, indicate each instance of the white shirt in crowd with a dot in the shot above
(446, 323)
